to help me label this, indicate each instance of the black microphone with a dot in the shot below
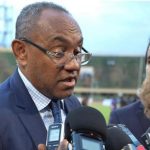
(85, 128)
(135, 143)
(146, 139)
(116, 139)
(129, 133)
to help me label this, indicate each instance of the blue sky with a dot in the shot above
(110, 27)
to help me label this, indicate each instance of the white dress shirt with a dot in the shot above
(41, 102)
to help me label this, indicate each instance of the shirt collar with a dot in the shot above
(40, 100)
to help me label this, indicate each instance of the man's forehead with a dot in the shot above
(56, 16)
(52, 21)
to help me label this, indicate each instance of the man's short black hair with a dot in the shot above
(29, 15)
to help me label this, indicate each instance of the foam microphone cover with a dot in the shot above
(116, 139)
(85, 119)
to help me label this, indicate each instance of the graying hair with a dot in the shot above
(29, 15)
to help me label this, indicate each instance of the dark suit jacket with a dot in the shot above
(21, 127)
(133, 117)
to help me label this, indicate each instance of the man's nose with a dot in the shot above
(72, 64)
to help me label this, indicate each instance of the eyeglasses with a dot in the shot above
(60, 57)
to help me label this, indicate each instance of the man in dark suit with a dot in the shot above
(134, 115)
(49, 53)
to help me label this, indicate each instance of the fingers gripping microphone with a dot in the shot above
(85, 128)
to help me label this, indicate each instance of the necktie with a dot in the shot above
(56, 111)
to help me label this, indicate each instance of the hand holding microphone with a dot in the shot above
(85, 128)
(63, 146)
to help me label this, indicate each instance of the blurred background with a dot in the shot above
(116, 32)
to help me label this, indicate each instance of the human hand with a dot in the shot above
(41, 147)
(63, 146)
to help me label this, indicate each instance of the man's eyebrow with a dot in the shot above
(61, 39)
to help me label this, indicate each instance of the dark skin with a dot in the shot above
(63, 146)
(55, 31)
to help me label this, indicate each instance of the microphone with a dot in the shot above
(129, 133)
(85, 128)
(134, 140)
(55, 135)
(135, 143)
(116, 139)
(146, 139)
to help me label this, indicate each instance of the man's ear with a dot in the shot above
(20, 51)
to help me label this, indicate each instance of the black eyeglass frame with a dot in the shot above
(46, 51)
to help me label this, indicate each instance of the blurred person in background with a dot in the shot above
(123, 101)
(49, 53)
(114, 102)
(134, 115)
(85, 99)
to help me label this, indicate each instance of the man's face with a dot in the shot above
(57, 31)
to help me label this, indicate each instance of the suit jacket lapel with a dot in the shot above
(34, 125)
(27, 111)
(67, 106)
(71, 103)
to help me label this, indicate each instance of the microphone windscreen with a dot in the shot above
(116, 139)
(85, 119)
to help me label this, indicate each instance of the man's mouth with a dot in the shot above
(69, 82)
